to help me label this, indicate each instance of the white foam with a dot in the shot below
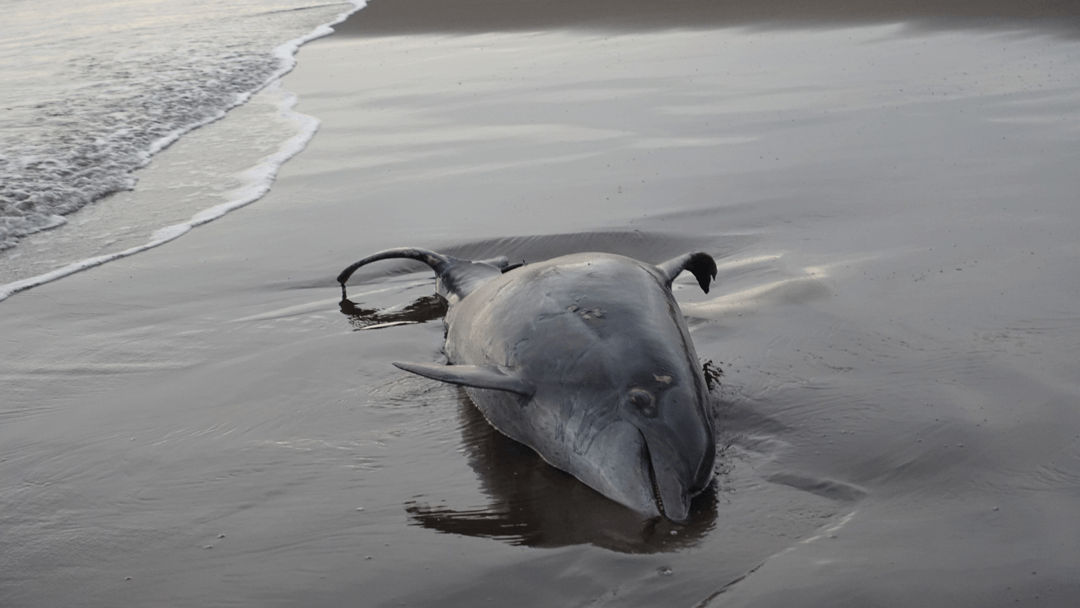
(286, 54)
(258, 179)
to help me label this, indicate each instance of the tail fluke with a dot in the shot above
(437, 261)
(456, 277)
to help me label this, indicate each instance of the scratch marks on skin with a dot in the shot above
(586, 314)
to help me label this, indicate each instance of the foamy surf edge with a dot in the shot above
(258, 179)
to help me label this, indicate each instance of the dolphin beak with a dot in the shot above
(645, 472)
(670, 494)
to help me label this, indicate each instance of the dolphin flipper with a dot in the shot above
(456, 276)
(700, 264)
(470, 375)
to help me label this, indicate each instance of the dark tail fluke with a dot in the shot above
(456, 277)
(438, 262)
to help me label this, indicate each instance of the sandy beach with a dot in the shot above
(891, 197)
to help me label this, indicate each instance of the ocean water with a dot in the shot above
(94, 90)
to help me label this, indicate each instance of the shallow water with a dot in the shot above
(92, 92)
(893, 214)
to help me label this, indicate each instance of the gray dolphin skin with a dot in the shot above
(586, 359)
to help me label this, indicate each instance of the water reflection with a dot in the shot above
(421, 310)
(535, 504)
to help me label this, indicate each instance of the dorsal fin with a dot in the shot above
(700, 264)
(456, 277)
(469, 375)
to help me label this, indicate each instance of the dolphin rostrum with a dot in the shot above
(586, 359)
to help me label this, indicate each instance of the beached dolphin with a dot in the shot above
(587, 360)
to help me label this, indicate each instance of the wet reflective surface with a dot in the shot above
(536, 505)
(893, 213)
(614, 16)
(421, 310)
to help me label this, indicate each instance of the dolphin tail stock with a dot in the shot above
(470, 375)
(456, 277)
(700, 264)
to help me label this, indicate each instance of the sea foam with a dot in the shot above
(51, 175)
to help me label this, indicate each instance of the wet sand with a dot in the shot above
(894, 214)
(390, 17)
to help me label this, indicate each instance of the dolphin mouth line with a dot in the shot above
(652, 476)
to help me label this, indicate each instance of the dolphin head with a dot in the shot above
(678, 443)
(630, 414)
(620, 399)
(645, 440)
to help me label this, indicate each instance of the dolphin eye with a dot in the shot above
(643, 400)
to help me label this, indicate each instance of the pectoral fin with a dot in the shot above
(700, 264)
(470, 375)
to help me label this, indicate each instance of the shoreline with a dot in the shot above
(258, 178)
